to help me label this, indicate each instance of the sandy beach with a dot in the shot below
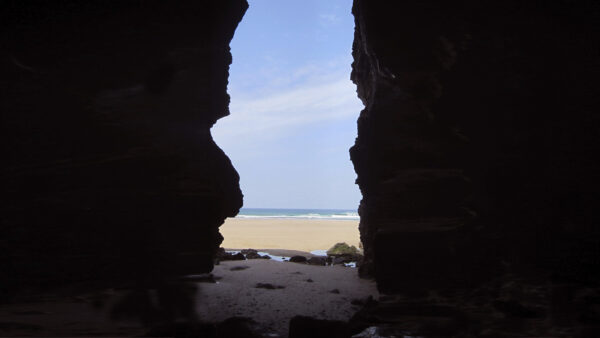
(293, 234)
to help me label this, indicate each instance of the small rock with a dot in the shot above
(222, 255)
(239, 267)
(317, 261)
(340, 260)
(253, 256)
(298, 259)
(336, 291)
(268, 286)
(238, 257)
(309, 280)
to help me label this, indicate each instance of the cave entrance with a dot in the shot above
(293, 119)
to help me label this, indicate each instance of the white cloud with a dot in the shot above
(281, 111)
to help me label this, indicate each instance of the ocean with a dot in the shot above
(337, 214)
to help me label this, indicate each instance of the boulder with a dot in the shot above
(222, 255)
(250, 254)
(343, 249)
(344, 259)
(238, 257)
(298, 259)
(317, 261)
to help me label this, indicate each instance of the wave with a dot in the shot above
(348, 217)
(299, 214)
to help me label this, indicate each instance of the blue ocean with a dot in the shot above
(337, 214)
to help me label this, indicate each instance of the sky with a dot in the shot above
(293, 106)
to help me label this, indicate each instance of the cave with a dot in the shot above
(474, 156)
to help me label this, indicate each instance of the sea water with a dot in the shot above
(339, 214)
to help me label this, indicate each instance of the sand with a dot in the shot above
(292, 234)
(307, 291)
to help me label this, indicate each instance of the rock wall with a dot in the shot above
(476, 147)
(109, 168)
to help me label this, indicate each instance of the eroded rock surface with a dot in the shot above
(109, 168)
(478, 121)
(474, 157)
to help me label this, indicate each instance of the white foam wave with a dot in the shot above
(306, 216)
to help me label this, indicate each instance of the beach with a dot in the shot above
(302, 234)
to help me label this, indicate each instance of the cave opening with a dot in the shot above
(474, 159)
(293, 118)
(292, 121)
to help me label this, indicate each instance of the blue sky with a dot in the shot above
(293, 106)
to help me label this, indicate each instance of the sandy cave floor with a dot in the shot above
(328, 296)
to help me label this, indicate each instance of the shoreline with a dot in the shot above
(303, 235)
(278, 252)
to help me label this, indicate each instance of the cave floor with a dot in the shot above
(267, 291)
(323, 292)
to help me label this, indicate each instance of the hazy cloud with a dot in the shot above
(281, 111)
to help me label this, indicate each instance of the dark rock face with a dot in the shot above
(109, 166)
(477, 140)
(475, 157)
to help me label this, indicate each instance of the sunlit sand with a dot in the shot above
(292, 234)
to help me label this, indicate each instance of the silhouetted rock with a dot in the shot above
(317, 261)
(238, 257)
(222, 255)
(459, 157)
(268, 286)
(253, 254)
(239, 268)
(298, 259)
(250, 252)
(122, 180)
(340, 260)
